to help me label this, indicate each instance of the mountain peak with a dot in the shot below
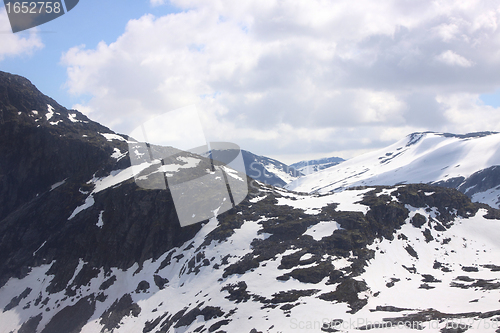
(417, 136)
(22, 104)
(42, 143)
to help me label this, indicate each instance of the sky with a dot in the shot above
(288, 79)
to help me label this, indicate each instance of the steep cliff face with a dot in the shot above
(42, 143)
(49, 157)
(83, 248)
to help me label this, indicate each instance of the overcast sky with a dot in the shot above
(287, 79)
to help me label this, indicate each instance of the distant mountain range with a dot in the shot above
(86, 246)
(273, 172)
(312, 166)
(469, 163)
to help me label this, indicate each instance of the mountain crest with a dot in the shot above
(444, 159)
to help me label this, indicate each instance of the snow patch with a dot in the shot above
(349, 200)
(117, 176)
(117, 154)
(72, 118)
(111, 137)
(232, 173)
(322, 229)
(88, 203)
(257, 199)
(306, 257)
(50, 112)
(100, 222)
(190, 162)
(309, 203)
(39, 248)
(56, 185)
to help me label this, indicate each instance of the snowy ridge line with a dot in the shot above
(439, 158)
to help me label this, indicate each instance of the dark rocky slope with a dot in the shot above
(38, 151)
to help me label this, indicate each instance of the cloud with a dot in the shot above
(304, 76)
(16, 44)
(466, 113)
(451, 58)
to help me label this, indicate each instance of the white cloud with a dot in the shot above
(451, 58)
(16, 44)
(466, 113)
(448, 31)
(284, 76)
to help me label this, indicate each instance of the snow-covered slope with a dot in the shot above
(284, 262)
(312, 166)
(444, 159)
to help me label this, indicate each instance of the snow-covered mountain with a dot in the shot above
(261, 168)
(285, 261)
(84, 248)
(470, 163)
(312, 166)
(269, 171)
